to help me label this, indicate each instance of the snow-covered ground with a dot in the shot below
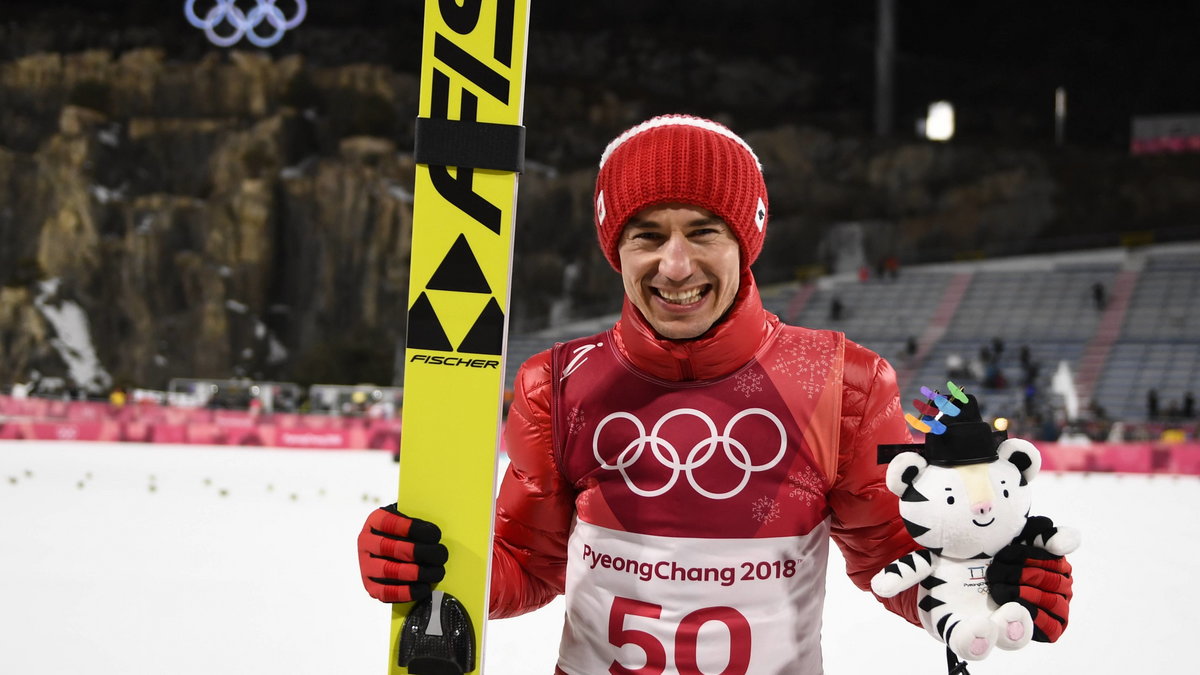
(143, 560)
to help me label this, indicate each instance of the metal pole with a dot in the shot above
(885, 54)
(1060, 115)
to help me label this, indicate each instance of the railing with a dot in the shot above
(57, 420)
(143, 422)
(1132, 458)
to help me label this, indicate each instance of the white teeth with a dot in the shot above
(684, 298)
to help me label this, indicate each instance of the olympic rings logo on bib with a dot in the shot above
(244, 23)
(667, 455)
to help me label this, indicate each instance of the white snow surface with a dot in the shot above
(149, 559)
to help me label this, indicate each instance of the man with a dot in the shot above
(687, 468)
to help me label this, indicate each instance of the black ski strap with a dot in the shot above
(954, 666)
(437, 638)
(470, 144)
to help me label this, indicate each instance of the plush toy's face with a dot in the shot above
(966, 511)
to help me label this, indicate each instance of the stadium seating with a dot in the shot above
(1144, 333)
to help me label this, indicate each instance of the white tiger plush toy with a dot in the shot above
(963, 498)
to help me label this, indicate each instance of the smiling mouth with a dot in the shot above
(984, 524)
(682, 297)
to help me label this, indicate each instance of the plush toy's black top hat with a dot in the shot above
(966, 440)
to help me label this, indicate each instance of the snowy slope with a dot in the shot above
(141, 560)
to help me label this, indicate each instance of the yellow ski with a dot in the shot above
(469, 150)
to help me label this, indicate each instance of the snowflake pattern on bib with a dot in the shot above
(806, 486)
(764, 510)
(805, 359)
(749, 382)
(575, 420)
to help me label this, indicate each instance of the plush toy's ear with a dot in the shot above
(903, 470)
(1024, 455)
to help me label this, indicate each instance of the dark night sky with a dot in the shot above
(1115, 60)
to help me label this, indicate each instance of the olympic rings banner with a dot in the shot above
(226, 23)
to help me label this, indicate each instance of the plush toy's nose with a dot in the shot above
(981, 508)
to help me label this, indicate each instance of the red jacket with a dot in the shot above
(536, 504)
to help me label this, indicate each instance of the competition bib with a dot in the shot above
(648, 605)
(702, 531)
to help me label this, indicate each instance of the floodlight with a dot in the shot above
(939, 125)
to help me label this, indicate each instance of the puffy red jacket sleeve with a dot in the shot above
(535, 507)
(866, 516)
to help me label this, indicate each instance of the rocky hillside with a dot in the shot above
(246, 213)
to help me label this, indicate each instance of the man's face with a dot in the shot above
(680, 267)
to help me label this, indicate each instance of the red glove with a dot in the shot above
(400, 557)
(1040, 581)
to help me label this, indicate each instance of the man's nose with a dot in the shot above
(676, 262)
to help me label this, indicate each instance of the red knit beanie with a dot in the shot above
(684, 159)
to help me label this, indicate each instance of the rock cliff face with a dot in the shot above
(205, 226)
(239, 214)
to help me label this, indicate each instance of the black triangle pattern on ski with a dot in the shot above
(424, 329)
(460, 271)
(487, 335)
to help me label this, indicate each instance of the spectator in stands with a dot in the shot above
(1174, 412)
(1030, 398)
(891, 267)
(287, 400)
(956, 367)
(1189, 405)
(356, 406)
(836, 309)
(382, 407)
(1029, 368)
(989, 357)
(1099, 296)
(994, 378)
(978, 365)
(1152, 404)
(887, 268)
(1048, 428)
